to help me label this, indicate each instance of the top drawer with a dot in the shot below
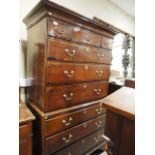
(67, 31)
(23, 130)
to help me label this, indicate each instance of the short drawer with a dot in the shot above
(63, 122)
(59, 141)
(64, 73)
(82, 146)
(24, 130)
(25, 139)
(59, 29)
(25, 145)
(107, 42)
(66, 51)
(58, 97)
(85, 36)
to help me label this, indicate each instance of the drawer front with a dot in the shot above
(67, 72)
(107, 42)
(88, 37)
(25, 145)
(69, 120)
(23, 130)
(59, 29)
(59, 141)
(62, 50)
(25, 139)
(71, 95)
(85, 145)
(67, 31)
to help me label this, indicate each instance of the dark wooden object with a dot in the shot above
(114, 87)
(120, 123)
(25, 130)
(130, 83)
(68, 60)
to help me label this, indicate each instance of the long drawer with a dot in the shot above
(59, 141)
(63, 122)
(82, 146)
(68, 72)
(58, 97)
(66, 51)
(65, 30)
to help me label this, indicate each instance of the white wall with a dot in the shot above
(25, 7)
(103, 9)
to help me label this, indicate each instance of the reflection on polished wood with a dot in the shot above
(25, 115)
(122, 102)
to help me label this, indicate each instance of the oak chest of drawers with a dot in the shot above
(68, 61)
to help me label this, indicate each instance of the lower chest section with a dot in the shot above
(81, 129)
